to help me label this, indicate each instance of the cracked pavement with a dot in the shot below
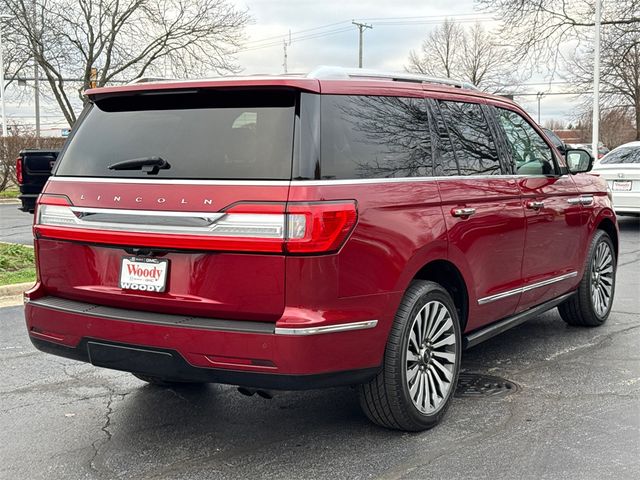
(576, 414)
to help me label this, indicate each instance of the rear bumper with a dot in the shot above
(170, 365)
(248, 353)
(626, 202)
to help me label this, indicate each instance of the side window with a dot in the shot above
(445, 162)
(374, 137)
(531, 154)
(471, 138)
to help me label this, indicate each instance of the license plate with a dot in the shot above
(144, 274)
(621, 186)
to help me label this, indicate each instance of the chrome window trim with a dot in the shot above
(295, 183)
(526, 288)
(343, 327)
(168, 181)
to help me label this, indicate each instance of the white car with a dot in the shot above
(621, 169)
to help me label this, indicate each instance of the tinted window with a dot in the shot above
(529, 151)
(471, 138)
(623, 155)
(201, 134)
(555, 139)
(445, 157)
(374, 137)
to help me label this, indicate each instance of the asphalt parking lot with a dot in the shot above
(574, 414)
(15, 226)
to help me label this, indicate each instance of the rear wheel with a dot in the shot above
(591, 305)
(421, 363)
(163, 382)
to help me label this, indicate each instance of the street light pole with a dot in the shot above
(4, 118)
(595, 131)
(36, 79)
(539, 96)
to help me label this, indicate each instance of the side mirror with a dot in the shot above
(578, 160)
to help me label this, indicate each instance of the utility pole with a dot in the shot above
(361, 28)
(596, 83)
(286, 45)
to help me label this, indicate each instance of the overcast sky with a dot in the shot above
(322, 34)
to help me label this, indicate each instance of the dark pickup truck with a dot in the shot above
(33, 168)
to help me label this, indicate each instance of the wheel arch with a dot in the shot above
(609, 226)
(450, 278)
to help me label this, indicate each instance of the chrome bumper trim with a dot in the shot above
(343, 327)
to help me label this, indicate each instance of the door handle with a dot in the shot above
(535, 205)
(584, 200)
(463, 212)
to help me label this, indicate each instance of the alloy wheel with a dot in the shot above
(601, 278)
(431, 357)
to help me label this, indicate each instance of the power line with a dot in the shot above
(316, 32)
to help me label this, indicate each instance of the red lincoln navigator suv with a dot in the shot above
(348, 227)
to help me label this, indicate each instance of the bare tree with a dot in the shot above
(616, 127)
(469, 54)
(535, 28)
(554, 124)
(104, 41)
(12, 145)
(619, 72)
(439, 55)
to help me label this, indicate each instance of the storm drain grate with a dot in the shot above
(478, 385)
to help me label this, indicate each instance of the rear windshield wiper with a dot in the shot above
(151, 165)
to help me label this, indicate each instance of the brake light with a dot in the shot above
(300, 228)
(19, 170)
(320, 227)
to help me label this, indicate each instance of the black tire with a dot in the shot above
(580, 310)
(386, 400)
(163, 382)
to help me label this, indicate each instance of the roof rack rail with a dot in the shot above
(149, 79)
(341, 73)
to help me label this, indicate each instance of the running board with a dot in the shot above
(479, 336)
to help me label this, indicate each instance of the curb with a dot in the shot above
(9, 201)
(15, 289)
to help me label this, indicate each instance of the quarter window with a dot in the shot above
(531, 154)
(474, 147)
(374, 137)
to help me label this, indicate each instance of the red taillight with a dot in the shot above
(266, 227)
(50, 199)
(326, 226)
(19, 169)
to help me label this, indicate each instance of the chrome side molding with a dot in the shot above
(526, 288)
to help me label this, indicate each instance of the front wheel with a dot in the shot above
(591, 305)
(421, 363)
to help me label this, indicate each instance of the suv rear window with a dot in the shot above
(202, 134)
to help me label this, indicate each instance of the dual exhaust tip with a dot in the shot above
(249, 392)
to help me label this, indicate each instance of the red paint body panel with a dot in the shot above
(202, 283)
(488, 246)
(402, 226)
(555, 237)
(288, 354)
